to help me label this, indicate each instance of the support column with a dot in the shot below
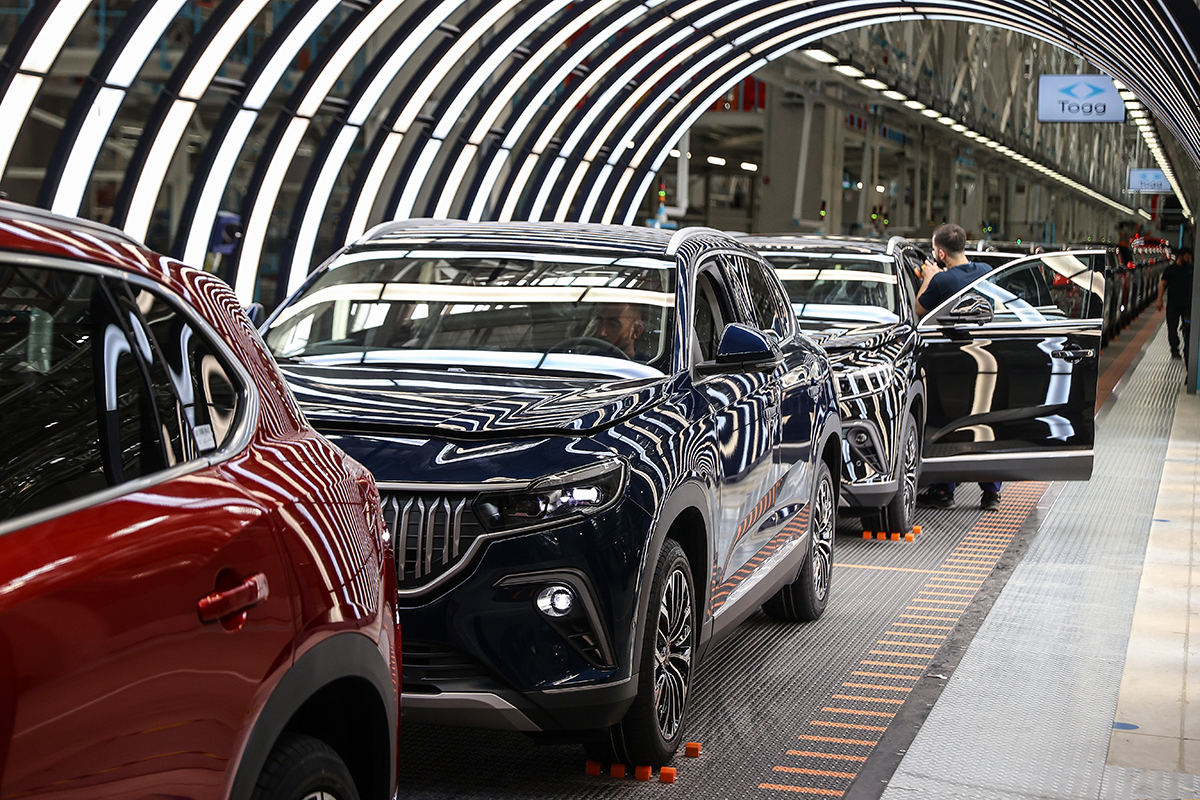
(802, 164)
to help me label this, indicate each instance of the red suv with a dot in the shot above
(196, 594)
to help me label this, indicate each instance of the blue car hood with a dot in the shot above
(458, 404)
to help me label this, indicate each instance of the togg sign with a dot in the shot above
(1079, 98)
(1148, 180)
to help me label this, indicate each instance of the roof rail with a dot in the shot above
(895, 242)
(683, 234)
(404, 224)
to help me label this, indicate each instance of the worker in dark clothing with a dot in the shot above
(941, 277)
(1176, 287)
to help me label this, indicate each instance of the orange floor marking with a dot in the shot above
(879, 688)
(885, 675)
(804, 789)
(885, 569)
(847, 725)
(912, 644)
(894, 664)
(825, 772)
(836, 741)
(839, 756)
(919, 625)
(922, 635)
(892, 653)
(831, 710)
(939, 619)
(867, 699)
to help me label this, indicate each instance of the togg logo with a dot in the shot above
(1079, 93)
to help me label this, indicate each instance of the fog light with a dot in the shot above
(556, 601)
(860, 437)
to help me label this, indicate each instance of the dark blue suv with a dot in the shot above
(599, 448)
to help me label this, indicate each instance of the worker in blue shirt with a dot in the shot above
(941, 277)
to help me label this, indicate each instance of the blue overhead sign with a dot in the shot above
(1079, 98)
(1148, 180)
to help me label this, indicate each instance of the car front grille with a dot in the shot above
(431, 533)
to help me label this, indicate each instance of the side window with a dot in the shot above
(767, 300)
(710, 318)
(209, 398)
(76, 413)
(1054, 287)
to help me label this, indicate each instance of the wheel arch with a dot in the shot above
(338, 691)
(684, 518)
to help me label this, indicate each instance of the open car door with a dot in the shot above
(1010, 364)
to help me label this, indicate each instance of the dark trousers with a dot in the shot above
(1175, 316)
(986, 488)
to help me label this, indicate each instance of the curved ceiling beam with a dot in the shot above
(228, 139)
(28, 59)
(99, 100)
(164, 130)
(313, 200)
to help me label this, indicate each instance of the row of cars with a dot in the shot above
(564, 460)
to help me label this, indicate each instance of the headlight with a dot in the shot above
(864, 381)
(577, 492)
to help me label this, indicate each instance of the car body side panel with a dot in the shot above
(120, 681)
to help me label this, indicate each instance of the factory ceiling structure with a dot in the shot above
(477, 109)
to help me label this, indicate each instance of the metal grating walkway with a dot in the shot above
(1030, 709)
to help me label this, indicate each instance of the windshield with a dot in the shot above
(494, 310)
(836, 288)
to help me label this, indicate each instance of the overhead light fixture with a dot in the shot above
(971, 134)
(892, 94)
(849, 70)
(1127, 95)
(873, 83)
(817, 54)
(959, 127)
(945, 120)
(674, 154)
(746, 165)
(915, 105)
(931, 113)
(716, 161)
(880, 188)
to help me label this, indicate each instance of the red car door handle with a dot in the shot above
(219, 605)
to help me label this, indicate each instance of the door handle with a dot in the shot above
(1072, 356)
(222, 604)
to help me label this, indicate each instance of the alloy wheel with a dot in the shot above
(823, 521)
(673, 654)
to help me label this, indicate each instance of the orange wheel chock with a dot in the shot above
(666, 775)
(593, 768)
(642, 773)
(916, 530)
(895, 537)
(908, 537)
(617, 770)
(866, 534)
(881, 536)
(691, 749)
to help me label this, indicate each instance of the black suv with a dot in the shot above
(997, 383)
(599, 449)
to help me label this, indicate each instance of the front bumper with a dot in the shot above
(479, 653)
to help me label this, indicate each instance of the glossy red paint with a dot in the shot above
(120, 674)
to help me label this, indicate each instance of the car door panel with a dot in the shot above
(111, 651)
(1014, 398)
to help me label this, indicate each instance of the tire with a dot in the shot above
(898, 515)
(652, 729)
(303, 767)
(804, 599)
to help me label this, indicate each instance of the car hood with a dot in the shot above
(459, 404)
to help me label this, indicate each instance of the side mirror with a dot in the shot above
(743, 349)
(257, 314)
(970, 309)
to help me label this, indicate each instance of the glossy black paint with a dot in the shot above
(719, 456)
(999, 395)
